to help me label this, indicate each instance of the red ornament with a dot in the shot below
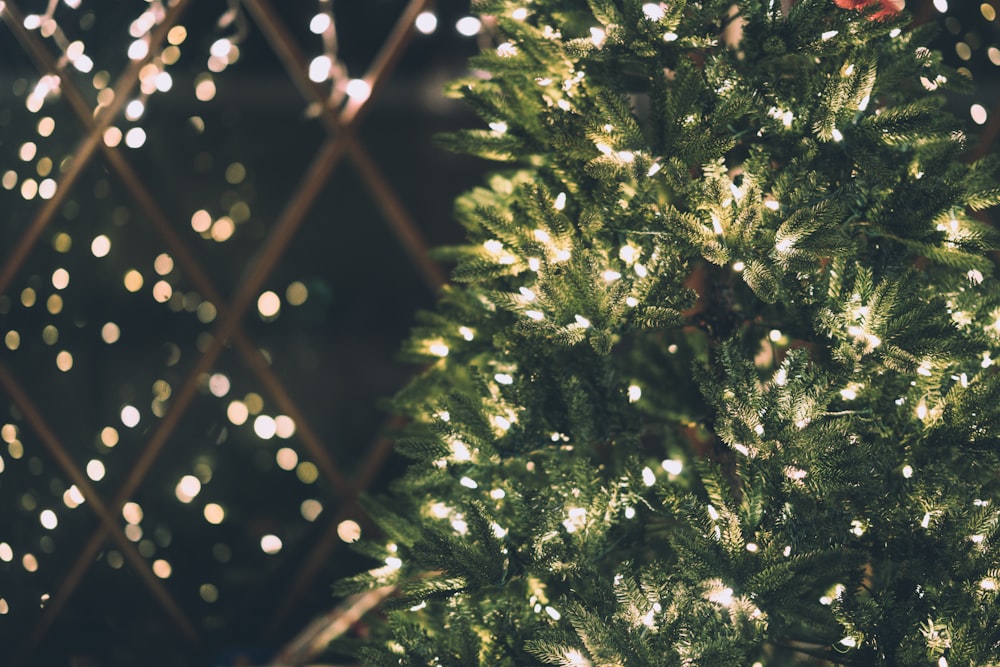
(887, 7)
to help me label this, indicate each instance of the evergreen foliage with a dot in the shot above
(715, 383)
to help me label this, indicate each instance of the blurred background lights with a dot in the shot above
(132, 513)
(100, 246)
(201, 221)
(95, 470)
(163, 264)
(218, 385)
(208, 593)
(979, 115)
(135, 137)
(109, 437)
(319, 69)
(320, 23)
(214, 514)
(310, 509)
(134, 109)
(270, 544)
(48, 519)
(237, 413)
(138, 50)
(268, 304)
(60, 278)
(133, 280)
(130, 416)
(296, 294)
(468, 26)
(72, 497)
(941, 5)
(284, 426)
(162, 568)
(29, 562)
(307, 472)
(110, 333)
(6, 553)
(187, 488)
(64, 361)
(349, 531)
(358, 90)
(264, 427)
(287, 458)
(426, 22)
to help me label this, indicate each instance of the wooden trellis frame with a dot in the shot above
(341, 142)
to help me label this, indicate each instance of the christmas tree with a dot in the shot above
(714, 384)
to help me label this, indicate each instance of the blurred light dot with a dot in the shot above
(218, 385)
(941, 5)
(311, 509)
(8, 432)
(170, 55)
(214, 514)
(222, 229)
(112, 136)
(6, 553)
(349, 531)
(237, 413)
(134, 109)
(46, 126)
(307, 472)
(47, 189)
(29, 188)
(201, 221)
(12, 340)
(54, 304)
(95, 470)
(133, 280)
(162, 291)
(109, 436)
(130, 416)
(72, 497)
(9, 180)
(268, 304)
(468, 26)
(62, 242)
(50, 334)
(64, 361)
(44, 166)
(235, 173)
(48, 519)
(297, 293)
(29, 562)
(208, 593)
(264, 427)
(319, 69)
(187, 488)
(979, 115)
(254, 402)
(284, 426)
(163, 264)
(135, 137)
(27, 151)
(287, 458)
(206, 312)
(110, 333)
(270, 544)
(132, 513)
(177, 35)
(100, 246)
(162, 569)
(60, 278)
(164, 82)
(319, 24)
(4, 607)
(204, 88)
(426, 22)
(359, 89)
(138, 50)
(133, 532)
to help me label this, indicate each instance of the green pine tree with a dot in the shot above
(714, 385)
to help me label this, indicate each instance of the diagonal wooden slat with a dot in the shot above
(93, 500)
